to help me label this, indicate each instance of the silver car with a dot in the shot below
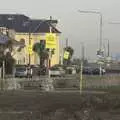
(21, 72)
(56, 72)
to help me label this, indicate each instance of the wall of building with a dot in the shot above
(36, 37)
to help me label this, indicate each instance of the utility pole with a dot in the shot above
(66, 42)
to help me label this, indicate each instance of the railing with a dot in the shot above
(69, 81)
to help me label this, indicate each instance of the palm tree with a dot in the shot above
(6, 47)
(42, 52)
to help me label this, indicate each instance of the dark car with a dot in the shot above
(96, 71)
(42, 70)
(93, 71)
(87, 70)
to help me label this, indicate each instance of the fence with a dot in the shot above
(73, 81)
(89, 81)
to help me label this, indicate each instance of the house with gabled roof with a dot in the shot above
(21, 27)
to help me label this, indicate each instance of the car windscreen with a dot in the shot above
(56, 68)
(21, 69)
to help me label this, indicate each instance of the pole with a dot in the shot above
(81, 77)
(49, 61)
(67, 42)
(82, 51)
(81, 69)
(29, 45)
(3, 75)
(29, 64)
(50, 28)
(100, 44)
(61, 56)
(101, 25)
(100, 69)
(108, 49)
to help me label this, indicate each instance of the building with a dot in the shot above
(29, 31)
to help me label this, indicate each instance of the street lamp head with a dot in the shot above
(86, 11)
(114, 23)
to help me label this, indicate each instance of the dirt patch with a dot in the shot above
(58, 106)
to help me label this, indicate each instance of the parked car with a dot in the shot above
(93, 71)
(56, 71)
(71, 70)
(23, 71)
(87, 70)
(96, 71)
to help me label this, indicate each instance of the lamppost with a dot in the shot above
(29, 36)
(66, 42)
(50, 31)
(50, 50)
(100, 30)
(101, 24)
(81, 67)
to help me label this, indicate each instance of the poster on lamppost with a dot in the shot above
(51, 39)
(100, 53)
(66, 55)
(101, 57)
(29, 49)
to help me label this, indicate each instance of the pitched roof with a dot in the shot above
(22, 23)
(41, 26)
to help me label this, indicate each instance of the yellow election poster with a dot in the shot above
(51, 40)
(66, 55)
(29, 49)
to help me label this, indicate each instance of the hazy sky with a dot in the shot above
(77, 27)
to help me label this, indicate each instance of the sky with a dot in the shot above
(77, 27)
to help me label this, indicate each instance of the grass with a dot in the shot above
(97, 77)
(109, 89)
(107, 83)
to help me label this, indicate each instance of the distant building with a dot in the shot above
(22, 28)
